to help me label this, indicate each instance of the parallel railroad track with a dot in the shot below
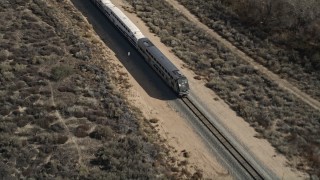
(223, 140)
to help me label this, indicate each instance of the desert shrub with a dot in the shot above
(48, 139)
(4, 111)
(57, 127)
(44, 122)
(5, 67)
(7, 127)
(117, 158)
(5, 171)
(81, 51)
(23, 121)
(72, 111)
(82, 130)
(183, 163)
(197, 175)
(20, 84)
(78, 114)
(186, 154)
(154, 120)
(67, 89)
(60, 139)
(48, 50)
(4, 54)
(86, 101)
(61, 72)
(175, 169)
(102, 132)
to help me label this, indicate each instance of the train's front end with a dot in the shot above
(183, 86)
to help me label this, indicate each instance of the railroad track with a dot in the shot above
(223, 140)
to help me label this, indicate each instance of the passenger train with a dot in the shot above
(155, 58)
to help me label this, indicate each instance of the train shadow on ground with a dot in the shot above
(135, 63)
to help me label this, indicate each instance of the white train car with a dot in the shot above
(120, 20)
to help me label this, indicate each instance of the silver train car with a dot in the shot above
(155, 58)
(164, 67)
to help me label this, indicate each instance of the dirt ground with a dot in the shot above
(181, 135)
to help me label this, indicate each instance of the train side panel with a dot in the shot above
(164, 67)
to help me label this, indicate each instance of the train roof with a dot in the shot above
(107, 2)
(132, 27)
(165, 62)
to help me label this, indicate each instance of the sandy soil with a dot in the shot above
(181, 135)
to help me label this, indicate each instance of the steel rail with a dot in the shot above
(223, 140)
